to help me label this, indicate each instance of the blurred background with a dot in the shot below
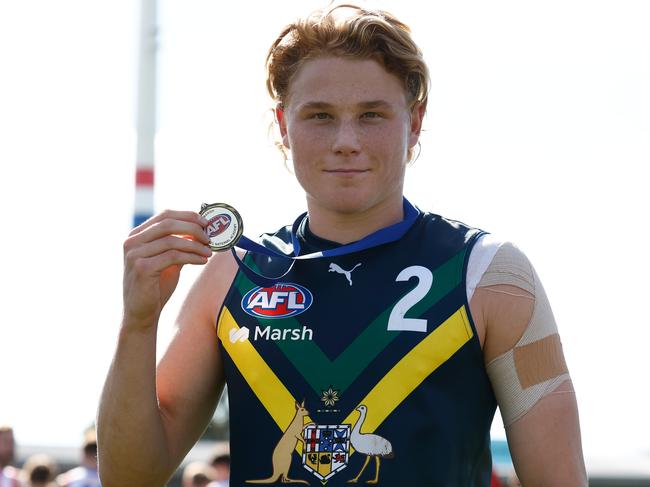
(538, 130)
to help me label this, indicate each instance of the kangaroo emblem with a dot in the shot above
(283, 451)
(348, 274)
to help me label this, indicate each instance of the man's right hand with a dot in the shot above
(154, 254)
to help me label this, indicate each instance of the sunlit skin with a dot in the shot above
(349, 126)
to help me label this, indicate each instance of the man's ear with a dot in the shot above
(417, 117)
(282, 124)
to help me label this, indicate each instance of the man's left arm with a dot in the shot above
(545, 443)
(526, 366)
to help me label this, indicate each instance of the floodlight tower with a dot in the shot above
(146, 112)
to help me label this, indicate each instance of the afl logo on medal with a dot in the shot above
(225, 226)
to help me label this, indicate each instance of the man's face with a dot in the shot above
(6, 448)
(349, 127)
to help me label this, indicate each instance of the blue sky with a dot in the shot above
(537, 130)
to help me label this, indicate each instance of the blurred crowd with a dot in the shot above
(213, 473)
(41, 470)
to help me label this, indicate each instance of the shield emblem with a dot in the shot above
(327, 449)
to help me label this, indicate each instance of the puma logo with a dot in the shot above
(240, 335)
(348, 274)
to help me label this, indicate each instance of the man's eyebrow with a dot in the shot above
(366, 105)
(375, 104)
(315, 105)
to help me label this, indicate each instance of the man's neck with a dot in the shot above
(350, 227)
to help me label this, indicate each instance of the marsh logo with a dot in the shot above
(270, 334)
(239, 335)
(280, 301)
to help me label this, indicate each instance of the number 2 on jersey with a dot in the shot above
(397, 321)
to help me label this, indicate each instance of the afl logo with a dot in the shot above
(280, 301)
(217, 225)
(224, 228)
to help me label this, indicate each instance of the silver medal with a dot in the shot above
(225, 226)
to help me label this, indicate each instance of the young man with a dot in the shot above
(374, 362)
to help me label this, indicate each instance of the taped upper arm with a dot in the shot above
(522, 348)
(529, 376)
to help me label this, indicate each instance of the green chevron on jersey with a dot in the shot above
(317, 369)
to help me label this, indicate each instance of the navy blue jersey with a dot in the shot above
(361, 367)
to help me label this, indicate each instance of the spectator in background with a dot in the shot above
(220, 461)
(198, 474)
(8, 474)
(85, 475)
(40, 471)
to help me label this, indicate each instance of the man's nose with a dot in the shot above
(347, 139)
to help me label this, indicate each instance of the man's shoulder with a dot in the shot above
(432, 218)
(446, 232)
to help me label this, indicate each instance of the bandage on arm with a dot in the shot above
(534, 367)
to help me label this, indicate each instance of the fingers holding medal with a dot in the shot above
(175, 231)
(154, 254)
(225, 226)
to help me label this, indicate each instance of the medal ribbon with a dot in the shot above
(382, 236)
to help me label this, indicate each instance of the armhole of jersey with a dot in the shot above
(480, 259)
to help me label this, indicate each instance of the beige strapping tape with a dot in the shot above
(539, 361)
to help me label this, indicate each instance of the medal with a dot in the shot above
(225, 226)
(380, 237)
(225, 230)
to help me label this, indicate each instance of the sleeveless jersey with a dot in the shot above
(365, 366)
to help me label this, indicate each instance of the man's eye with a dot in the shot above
(321, 116)
(371, 115)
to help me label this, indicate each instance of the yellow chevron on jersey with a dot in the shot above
(277, 400)
(416, 366)
(390, 391)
